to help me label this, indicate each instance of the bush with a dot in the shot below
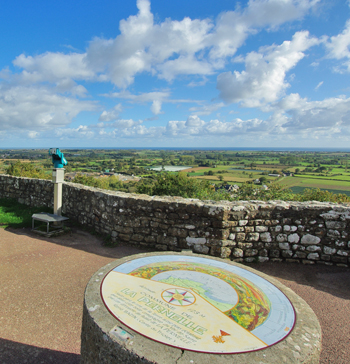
(168, 184)
(29, 170)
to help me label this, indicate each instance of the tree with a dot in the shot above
(26, 170)
(169, 184)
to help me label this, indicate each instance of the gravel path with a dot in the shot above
(43, 281)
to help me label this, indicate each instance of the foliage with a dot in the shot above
(16, 215)
(171, 184)
(315, 194)
(91, 181)
(20, 169)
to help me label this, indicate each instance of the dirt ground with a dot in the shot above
(42, 289)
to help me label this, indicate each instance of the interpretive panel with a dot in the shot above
(198, 304)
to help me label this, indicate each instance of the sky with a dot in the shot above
(194, 74)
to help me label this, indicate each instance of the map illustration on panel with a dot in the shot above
(198, 304)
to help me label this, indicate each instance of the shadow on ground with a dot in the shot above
(16, 353)
(82, 240)
(331, 279)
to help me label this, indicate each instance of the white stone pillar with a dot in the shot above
(57, 179)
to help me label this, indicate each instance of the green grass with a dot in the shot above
(16, 215)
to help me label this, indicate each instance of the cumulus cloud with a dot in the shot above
(111, 115)
(81, 132)
(339, 48)
(37, 108)
(166, 49)
(304, 114)
(263, 80)
(51, 89)
(156, 98)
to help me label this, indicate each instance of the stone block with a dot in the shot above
(313, 248)
(195, 241)
(244, 245)
(251, 252)
(284, 246)
(263, 259)
(287, 253)
(240, 236)
(265, 237)
(342, 253)
(335, 234)
(201, 249)
(313, 256)
(293, 238)
(237, 253)
(249, 229)
(280, 238)
(335, 225)
(299, 254)
(309, 239)
(253, 237)
(261, 229)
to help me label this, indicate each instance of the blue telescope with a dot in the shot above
(58, 159)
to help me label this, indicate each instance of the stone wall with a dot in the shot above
(244, 231)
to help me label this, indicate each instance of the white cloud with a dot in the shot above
(263, 81)
(81, 132)
(166, 49)
(53, 67)
(156, 98)
(156, 107)
(326, 114)
(33, 134)
(206, 109)
(37, 108)
(319, 85)
(233, 27)
(339, 48)
(111, 115)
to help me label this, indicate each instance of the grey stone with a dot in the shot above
(261, 229)
(328, 250)
(313, 248)
(284, 246)
(313, 256)
(195, 241)
(265, 237)
(309, 239)
(281, 238)
(293, 238)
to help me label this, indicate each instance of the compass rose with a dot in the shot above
(178, 297)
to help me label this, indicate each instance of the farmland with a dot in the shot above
(295, 170)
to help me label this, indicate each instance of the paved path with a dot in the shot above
(42, 287)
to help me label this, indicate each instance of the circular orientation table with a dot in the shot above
(187, 308)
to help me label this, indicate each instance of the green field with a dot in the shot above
(298, 184)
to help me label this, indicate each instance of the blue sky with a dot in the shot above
(259, 73)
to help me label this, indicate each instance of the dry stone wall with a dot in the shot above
(244, 231)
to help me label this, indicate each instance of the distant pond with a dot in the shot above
(170, 168)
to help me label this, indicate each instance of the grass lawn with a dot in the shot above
(16, 215)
